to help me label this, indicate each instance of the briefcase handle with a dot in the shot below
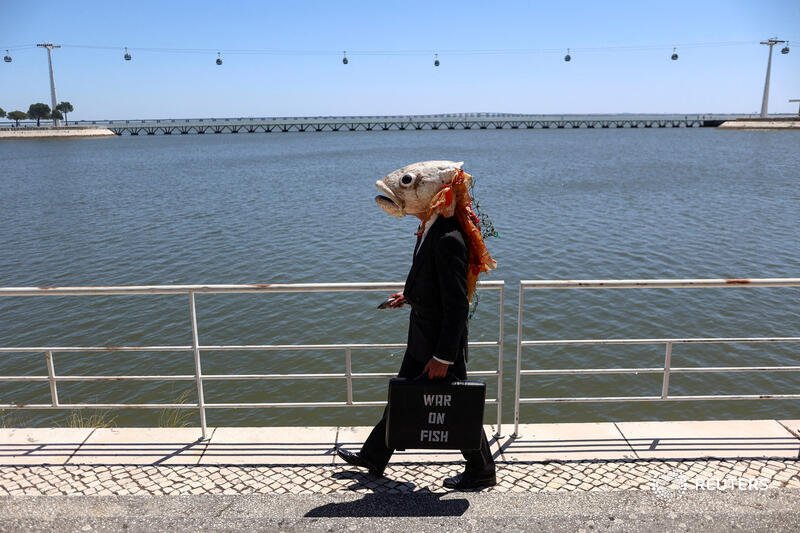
(448, 378)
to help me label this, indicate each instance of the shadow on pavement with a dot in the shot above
(386, 502)
(423, 503)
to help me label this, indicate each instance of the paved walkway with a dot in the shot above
(667, 458)
(666, 478)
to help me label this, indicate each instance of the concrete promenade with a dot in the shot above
(786, 124)
(705, 475)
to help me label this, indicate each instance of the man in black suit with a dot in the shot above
(436, 289)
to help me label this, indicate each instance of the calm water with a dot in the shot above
(299, 208)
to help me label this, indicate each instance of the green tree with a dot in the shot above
(16, 116)
(39, 111)
(2, 113)
(65, 107)
(56, 114)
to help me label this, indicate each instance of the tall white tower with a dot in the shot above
(765, 101)
(53, 102)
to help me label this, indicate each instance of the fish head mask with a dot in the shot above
(410, 190)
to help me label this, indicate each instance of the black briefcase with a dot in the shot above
(435, 414)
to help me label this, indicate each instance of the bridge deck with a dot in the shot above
(460, 121)
(403, 125)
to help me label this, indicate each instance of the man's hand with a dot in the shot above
(435, 369)
(397, 300)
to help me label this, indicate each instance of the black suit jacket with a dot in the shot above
(436, 289)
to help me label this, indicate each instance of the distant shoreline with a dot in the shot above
(30, 133)
(760, 124)
(782, 123)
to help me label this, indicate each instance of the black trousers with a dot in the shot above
(479, 461)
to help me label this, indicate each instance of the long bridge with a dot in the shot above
(472, 121)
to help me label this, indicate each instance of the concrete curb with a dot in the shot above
(606, 441)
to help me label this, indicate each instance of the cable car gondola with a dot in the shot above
(674, 55)
(784, 50)
(435, 60)
(127, 55)
(7, 57)
(344, 58)
(219, 59)
(567, 57)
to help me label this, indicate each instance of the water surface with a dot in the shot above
(298, 207)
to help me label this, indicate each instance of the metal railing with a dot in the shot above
(668, 343)
(197, 349)
(348, 375)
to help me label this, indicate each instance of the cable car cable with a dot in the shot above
(409, 52)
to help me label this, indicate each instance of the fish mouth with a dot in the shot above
(385, 200)
(388, 201)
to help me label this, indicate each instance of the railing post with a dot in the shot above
(51, 377)
(198, 376)
(519, 362)
(667, 363)
(500, 365)
(348, 372)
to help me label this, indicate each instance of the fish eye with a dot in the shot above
(407, 179)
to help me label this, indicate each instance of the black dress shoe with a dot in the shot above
(470, 482)
(356, 459)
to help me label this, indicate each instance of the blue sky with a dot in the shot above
(530, 77)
